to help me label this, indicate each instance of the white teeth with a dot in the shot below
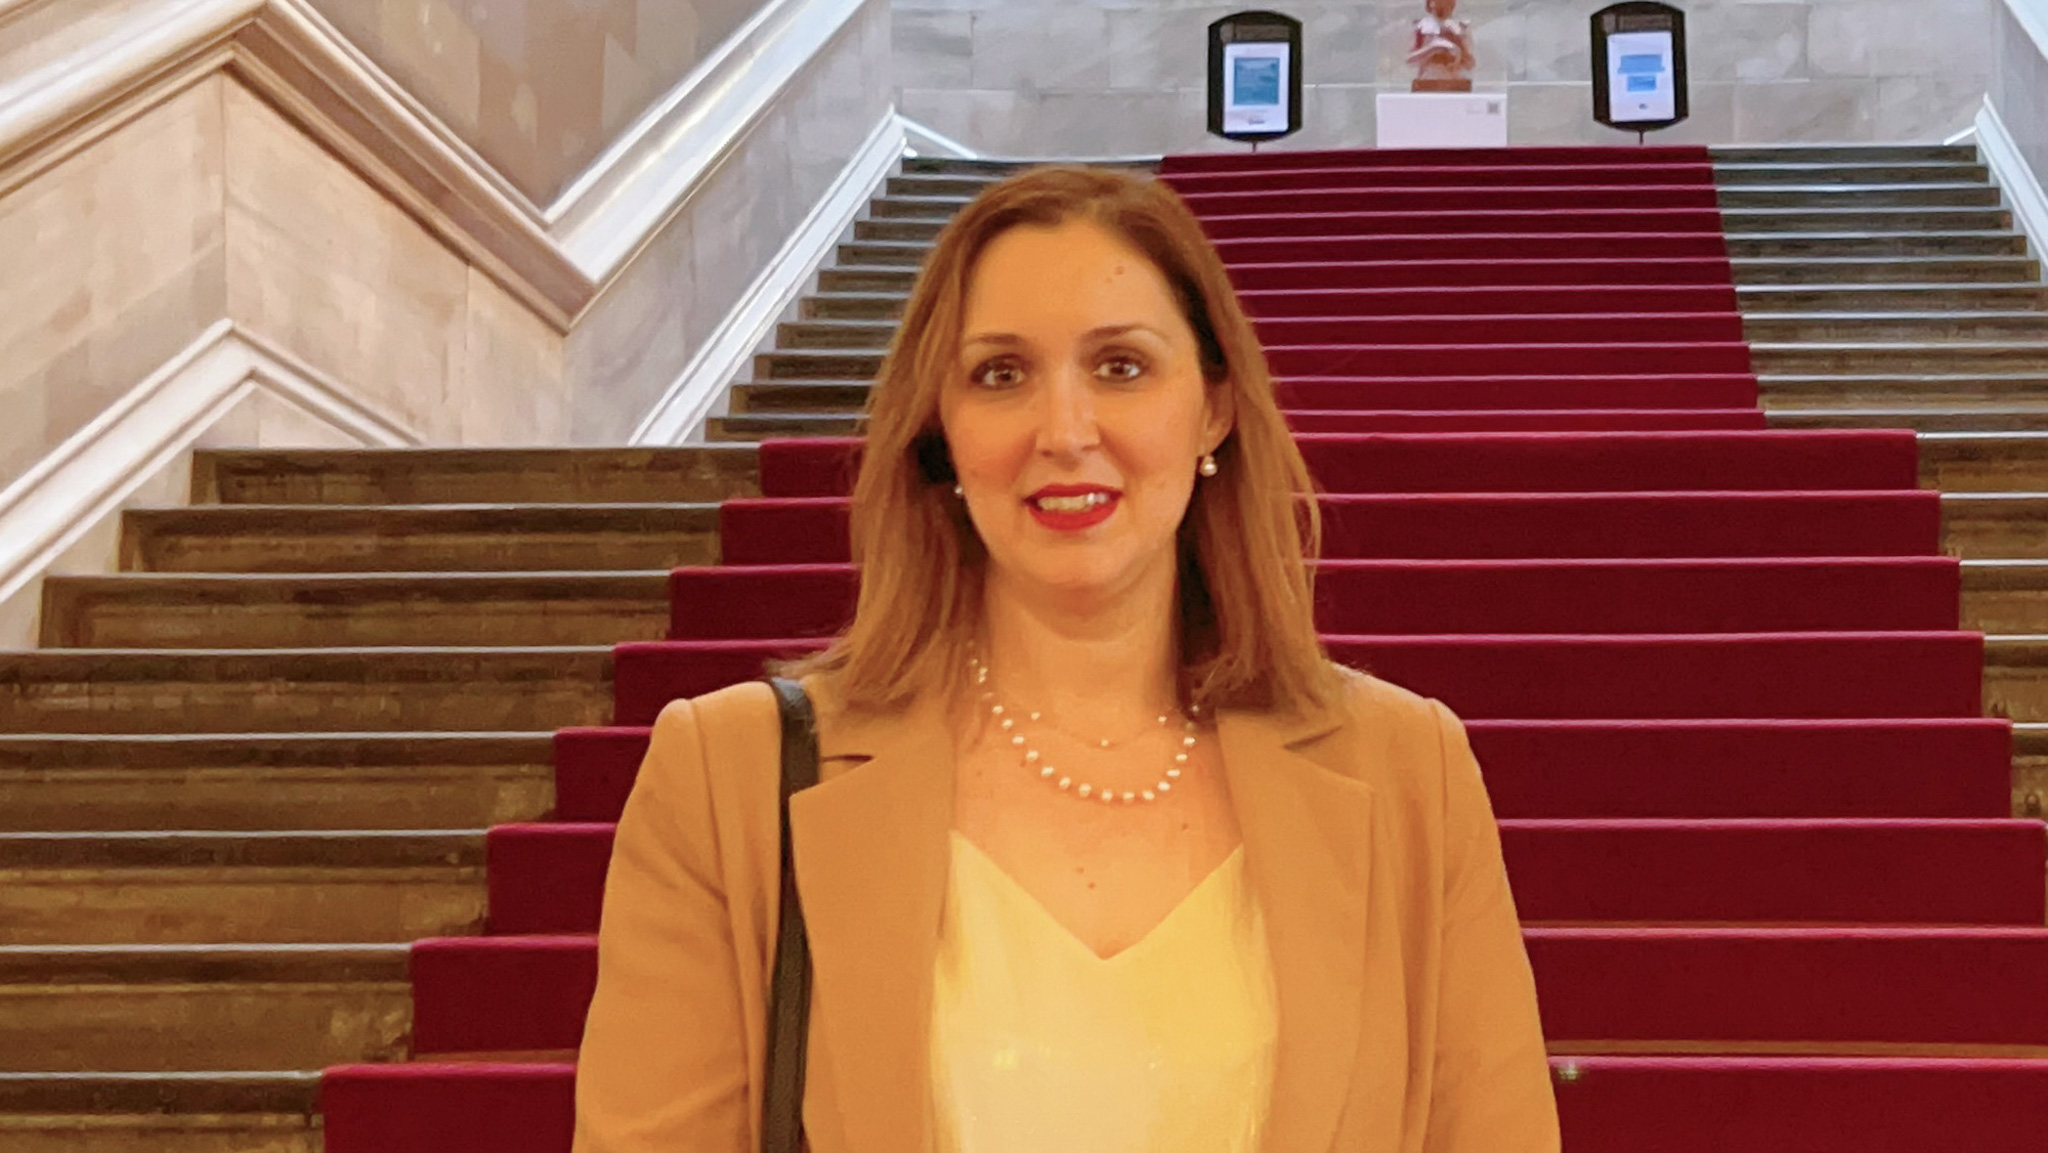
(1081, 503)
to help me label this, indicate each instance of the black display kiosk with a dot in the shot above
(1255, 76)
(1639, 73)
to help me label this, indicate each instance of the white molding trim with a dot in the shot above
(71, 491)
(925, 142)
(110, 61)
(2032, 16)
(751, 323)
(2022, 185)
(607, 213)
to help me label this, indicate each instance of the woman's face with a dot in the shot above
(1442, 9)
(1076, 413)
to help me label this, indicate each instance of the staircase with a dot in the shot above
(241, 777)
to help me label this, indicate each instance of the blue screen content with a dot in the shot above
(1258, 81)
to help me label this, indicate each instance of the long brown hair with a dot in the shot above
(1246, 617)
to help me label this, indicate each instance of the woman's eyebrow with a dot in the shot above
(1100, 332)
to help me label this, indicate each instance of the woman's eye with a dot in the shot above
(998, 374)
(1122, 368)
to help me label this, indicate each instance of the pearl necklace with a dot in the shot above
(1046, 772)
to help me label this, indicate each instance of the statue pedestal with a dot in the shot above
(1443, 120)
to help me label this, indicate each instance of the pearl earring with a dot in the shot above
(958, 491)
(1208, 466)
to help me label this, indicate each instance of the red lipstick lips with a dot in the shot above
(1076, 506)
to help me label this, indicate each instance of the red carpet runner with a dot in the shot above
(1754, 819)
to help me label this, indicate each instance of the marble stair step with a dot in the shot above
(160, 1112)
(1937, 388)
(1959, 194)
(304, 610)
(688, 474)
(1982, 462)
(164, 1008)
(1844, 154)
(432, 538)
(2016, 677)
(305, 690)
(1831, 216)
(253, 887)
(1883, 270)
(1960, 324)
(1990, 357)
(1928, 419)
(2030, 770)
(1883, 299)
(751, 429)
(761, 398)
(2008, 597)
(1995, 525)
(253, 782)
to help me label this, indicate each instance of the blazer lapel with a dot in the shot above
(1307, 853)
(871, 851)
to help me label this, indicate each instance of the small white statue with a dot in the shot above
(1442, 55)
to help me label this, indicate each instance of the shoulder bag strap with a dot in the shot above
(789, 1003)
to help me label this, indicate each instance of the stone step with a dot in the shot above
(2030, 770)
(692, 473)
(304, 690)
(1956, 195)
(2002, 357)
(193, 888)
(1959, 324)
(1883, 299)
(2009, 419)
(800, 396)
(882, 253)
(306, 610)
(1995, 526)
(1890, 271)
(864, 279)
(2016, 677)
(238, 782)
(433, 538)
(1862, 217)
(780, 366)
(1845, 154)
(129, 1008)
(831, 335)
(753, 428)
(160, 1112)
(1958, 391)
(1984, 461)
(2006, 596)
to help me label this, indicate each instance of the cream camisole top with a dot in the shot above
(1040, 1046)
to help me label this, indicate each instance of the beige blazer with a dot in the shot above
(1407, 1011)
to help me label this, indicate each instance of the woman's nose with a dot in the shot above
(1066, 423)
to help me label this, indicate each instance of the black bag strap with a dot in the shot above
(789, 1002)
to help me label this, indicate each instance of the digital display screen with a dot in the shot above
(1642, 86)
(1256, 86)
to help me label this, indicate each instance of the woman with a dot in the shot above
(1106, 855)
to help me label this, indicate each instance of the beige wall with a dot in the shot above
(538, 87)
(1047, 77)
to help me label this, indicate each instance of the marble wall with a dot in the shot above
(1107, 77)
(538, 87)
(2020, 87)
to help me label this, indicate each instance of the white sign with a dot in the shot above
(1642, 77)
(1255, 86)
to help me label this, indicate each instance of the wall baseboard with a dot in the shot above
(2022, 185)
(727, 352)
(72, 492)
